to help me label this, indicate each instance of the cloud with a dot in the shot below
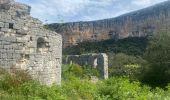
(146, 2)
(46, 9)
(81, 10)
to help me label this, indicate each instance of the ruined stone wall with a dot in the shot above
(98, 61)
(26, 45)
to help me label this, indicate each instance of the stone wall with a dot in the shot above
(98, 61)
(26, 45)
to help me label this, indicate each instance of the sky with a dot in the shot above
(59, 11)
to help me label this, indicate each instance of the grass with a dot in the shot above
(19, 86)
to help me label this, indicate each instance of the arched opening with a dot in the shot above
(95, 64)
(41, 46)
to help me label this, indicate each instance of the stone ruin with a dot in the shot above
(98, 61)
(26, 45)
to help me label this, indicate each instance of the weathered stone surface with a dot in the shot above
(140, 23)
(26, 45)
(98, 61)
(5, 4)
(6, 1)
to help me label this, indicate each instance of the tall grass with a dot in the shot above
(19, 86)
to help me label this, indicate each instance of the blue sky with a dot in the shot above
(53, 11)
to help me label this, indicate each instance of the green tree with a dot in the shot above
(125, 65)
(158, 56)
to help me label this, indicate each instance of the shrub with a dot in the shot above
(12, 80)
(18, 85)
(79, 71)
(125, 65)
(34, 90)
(90, 71)
(76, 89)
(157, 72)
(72, 70)
(121, 89)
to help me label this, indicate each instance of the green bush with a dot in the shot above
(125, 65)
(75, 70)
(76, 88)
(123, 89)
(157, 72)
(18, 85)
(10, 81)
(72, 70)
(90, 71)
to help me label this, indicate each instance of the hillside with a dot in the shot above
(130, 46)
(139, 23)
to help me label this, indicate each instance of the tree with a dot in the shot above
(158, 56)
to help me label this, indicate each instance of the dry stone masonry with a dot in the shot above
(98, 61)
(26, 45)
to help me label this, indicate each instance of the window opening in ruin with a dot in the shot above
(0, 28)
(41, 46)
(11, 25)
(95, 63)
(31, 39)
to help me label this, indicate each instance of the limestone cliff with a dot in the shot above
(139, 23)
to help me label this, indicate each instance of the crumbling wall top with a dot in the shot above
(2, 2)
(5, 4)
(21, 9)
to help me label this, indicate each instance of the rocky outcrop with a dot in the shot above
(140, 23)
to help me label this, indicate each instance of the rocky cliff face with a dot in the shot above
(140, 23)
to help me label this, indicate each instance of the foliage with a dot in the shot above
(157, 54)
(72, 70)
(124, 65)
(48, 28)
(129, 46)
(123, 89)
(74, 88)
(75, 70)
(10, 81)
(18, 85)
(90, 71)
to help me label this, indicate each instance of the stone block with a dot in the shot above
(17, 26)
(1, 24)
(4, 29)
(21, 32)
(6, 25)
